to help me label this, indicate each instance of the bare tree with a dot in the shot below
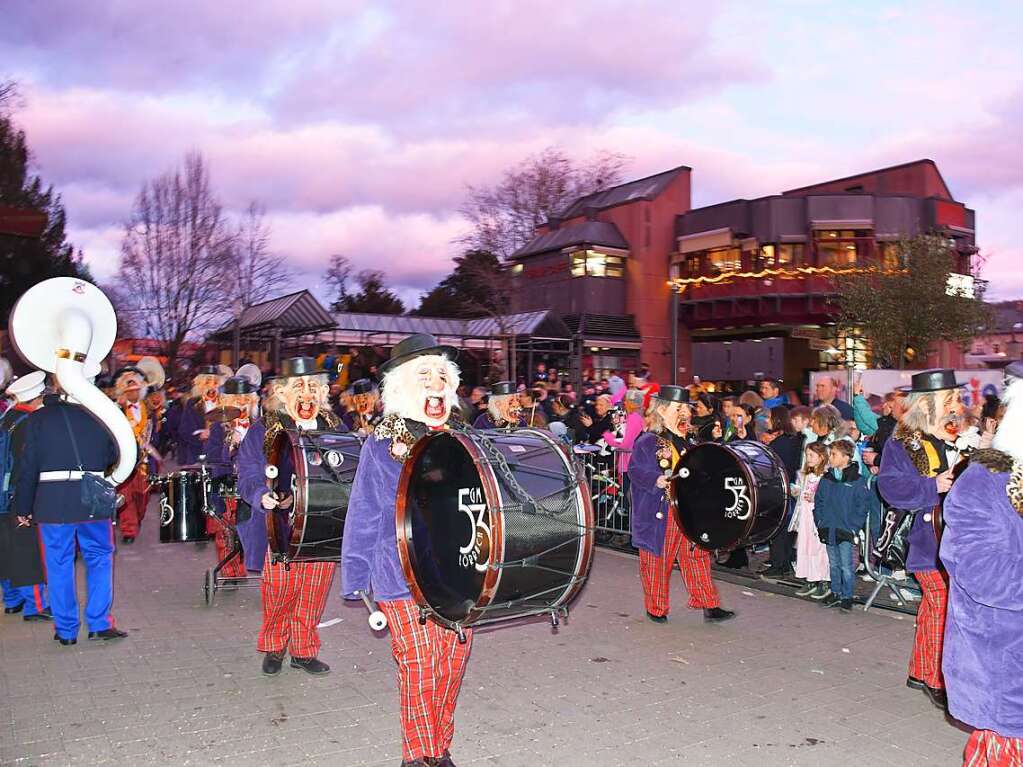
(176, 254)
(256, 272)
(504, 217)
(8, 95)
(336, 277)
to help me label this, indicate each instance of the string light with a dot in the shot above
(800, 271)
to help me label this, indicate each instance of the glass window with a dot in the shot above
(891, 255)
(765, 259)
(790, 255)
(590, 263)
(723, 260)
(579, 264)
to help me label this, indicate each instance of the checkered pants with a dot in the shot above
(431, 663)
(135, 490)
(223, 539)
(293, 601)
(925, 664)
(989, 749)
(693, 562)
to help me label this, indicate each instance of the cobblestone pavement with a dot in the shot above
(786, 683)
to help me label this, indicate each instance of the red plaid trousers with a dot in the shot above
(223, 539)
(135, 490)
(293, 601)
(693, 562)
(925, 663)
(431, 663)
(989, 749)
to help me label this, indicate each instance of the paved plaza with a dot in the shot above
(786, 683)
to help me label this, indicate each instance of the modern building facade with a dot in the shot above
(751, 280)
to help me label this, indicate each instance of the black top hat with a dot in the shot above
(299, 366)
(207, 370)
(237, 385)
(671, 393)
(363, 386)
(502, 388)
(129, 369)
(937, 379)
(418, 345)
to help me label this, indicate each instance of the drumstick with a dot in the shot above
(377, 620)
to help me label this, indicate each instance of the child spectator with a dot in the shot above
(840, 509)
(811, 555)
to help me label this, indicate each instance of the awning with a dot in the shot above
(715, 238)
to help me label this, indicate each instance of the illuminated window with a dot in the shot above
(842, 248)
(723, 260)
(516, 269)
(891, 255)
(590, 263)
(790, 255)
(765, 259)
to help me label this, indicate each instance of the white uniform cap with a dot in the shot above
(28, 387)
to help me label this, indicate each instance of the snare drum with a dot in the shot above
(729, 496)
(493, 525)
(317, 469)
(185, 502)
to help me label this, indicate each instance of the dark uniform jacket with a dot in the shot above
(47, 447)
(20, 559)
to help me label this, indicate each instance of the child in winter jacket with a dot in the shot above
(840, 509)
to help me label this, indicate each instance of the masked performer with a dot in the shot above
(419, 387)
(916, 471)
(21, 565)
(982, 550)
(655, 530)
(295, 594)
(504, 410)
(222, 453)
(364, 414)
(130, 387)
(192, 429)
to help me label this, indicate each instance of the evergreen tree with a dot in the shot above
(373, 297)
(475, 288)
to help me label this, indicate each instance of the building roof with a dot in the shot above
(537, 324)
(893, 176)
(585, 233)
(292, 315)
(641, 189)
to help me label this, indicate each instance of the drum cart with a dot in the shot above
(212, 581)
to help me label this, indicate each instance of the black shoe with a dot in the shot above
(272, 662)
(15, 609)
(445, 761)
(657, 618)
(128, 540)
(845, 606)
(110, 633)
(830, 600)
(915, 684)
(313, 666)
(716, 615)
(63, 641)
(415, 763)
(773, 574)
(937, 696)
(45, 615)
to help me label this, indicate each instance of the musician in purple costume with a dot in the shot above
(982, 549)
(192, 429)
(419, 386)
(916, 473)
(503, 411)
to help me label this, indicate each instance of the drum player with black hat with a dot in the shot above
(655, 529)
(364, 414)
(294, 593)
(22, 576)
(504, 410)
(419, 392)
(192, 428)
(917, 470)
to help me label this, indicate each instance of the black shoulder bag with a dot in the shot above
(99, 497)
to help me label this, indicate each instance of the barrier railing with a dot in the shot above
(609, 489)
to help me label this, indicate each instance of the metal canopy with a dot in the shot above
(289, 316)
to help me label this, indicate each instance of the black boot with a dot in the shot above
(716, 615)
(63, 641)
(657, 618)
(313, 666)
(445, 761)
(272, 662)
(937, 696)
(110, 633)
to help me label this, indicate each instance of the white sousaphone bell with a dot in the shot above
(66, 326)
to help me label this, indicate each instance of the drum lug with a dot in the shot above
(422, 616)
(460, 632)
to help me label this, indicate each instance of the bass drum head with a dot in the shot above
(729, 495)
(445, 533)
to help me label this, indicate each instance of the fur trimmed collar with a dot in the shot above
(912, 441)
(993, 460)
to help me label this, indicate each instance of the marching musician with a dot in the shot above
(221, 451)
(419, 385)
(20, 558)
(294, 594)
(364, 415)
(504, 408)
(916, 472)
(192, 429)
(982, 550)
(655, 530)
(129, 386)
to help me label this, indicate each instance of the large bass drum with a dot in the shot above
(493, 526)
(185, 501)
(729, 496)
(316, 468)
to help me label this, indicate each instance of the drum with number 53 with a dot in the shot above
(729, 496)
(493, 525)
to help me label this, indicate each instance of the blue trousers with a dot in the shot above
(33, 597)
(96, 541)
(840, 557)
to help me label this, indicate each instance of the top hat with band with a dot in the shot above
(503, 388)
(936, 379)
(670, 393)
(418, 345)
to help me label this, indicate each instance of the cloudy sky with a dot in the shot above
(359, 124)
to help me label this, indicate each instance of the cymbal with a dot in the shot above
(221, 414)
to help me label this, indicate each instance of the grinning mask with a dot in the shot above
(302, 396)
(422, 389)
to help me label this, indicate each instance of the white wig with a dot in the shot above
(1009, 437)
(494, 402)
(401, 393)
